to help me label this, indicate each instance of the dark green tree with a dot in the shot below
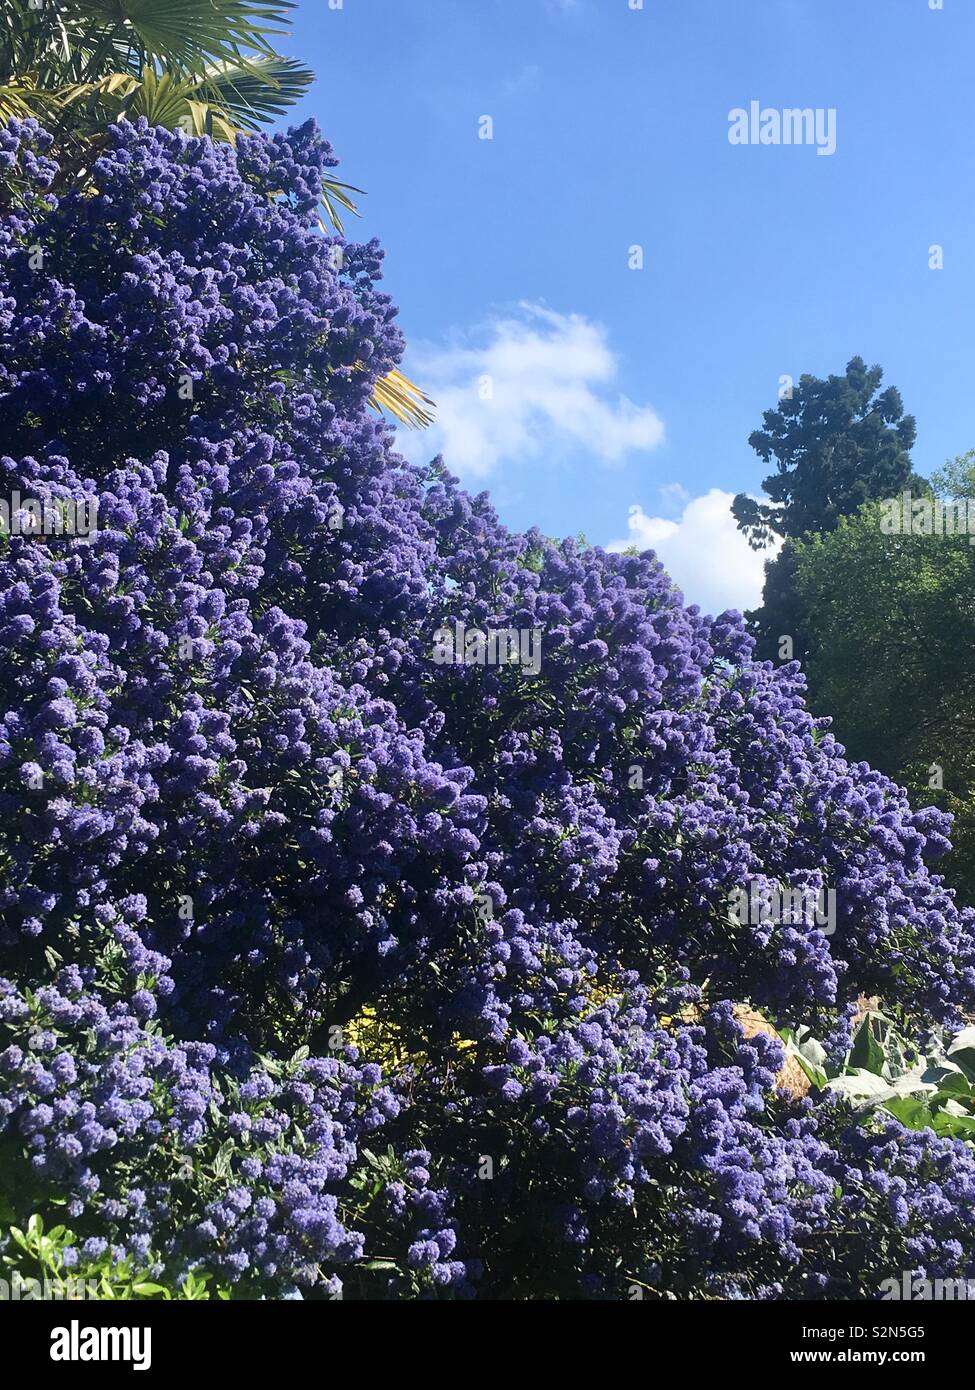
(836, 442)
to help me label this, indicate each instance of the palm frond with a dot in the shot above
(255, 90)
(117, 85)
(335, 192)
(399, 397)
(184, 34)
(166, 101)
(19, 99)
(163, 100)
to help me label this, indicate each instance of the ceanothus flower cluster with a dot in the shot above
(323, 965)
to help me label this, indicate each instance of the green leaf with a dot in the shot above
(256, 90)
(867, 1052)
(912, 1113)
(809, 1053)
(221, 1164)
(962, 1051)
(955, 1084)
(863, 1089)
(187, 34)
(954, 1126)
(952, 1107)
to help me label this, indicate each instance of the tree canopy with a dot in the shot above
(836, 442)
(889, 624)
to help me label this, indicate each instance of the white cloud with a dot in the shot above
(538, 383)
(703, 552)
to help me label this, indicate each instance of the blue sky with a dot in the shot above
(589, 396)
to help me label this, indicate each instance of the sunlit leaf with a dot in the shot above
(398, 396)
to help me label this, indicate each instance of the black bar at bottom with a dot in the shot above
(215, 1338)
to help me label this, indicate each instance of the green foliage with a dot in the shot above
(83, 63)
(924, 1088)
(836, 442)
(889, 631)
(783, 612)
(38, 1254)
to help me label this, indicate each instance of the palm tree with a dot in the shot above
(205, 66)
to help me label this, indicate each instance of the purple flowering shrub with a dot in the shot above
(243, 809)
